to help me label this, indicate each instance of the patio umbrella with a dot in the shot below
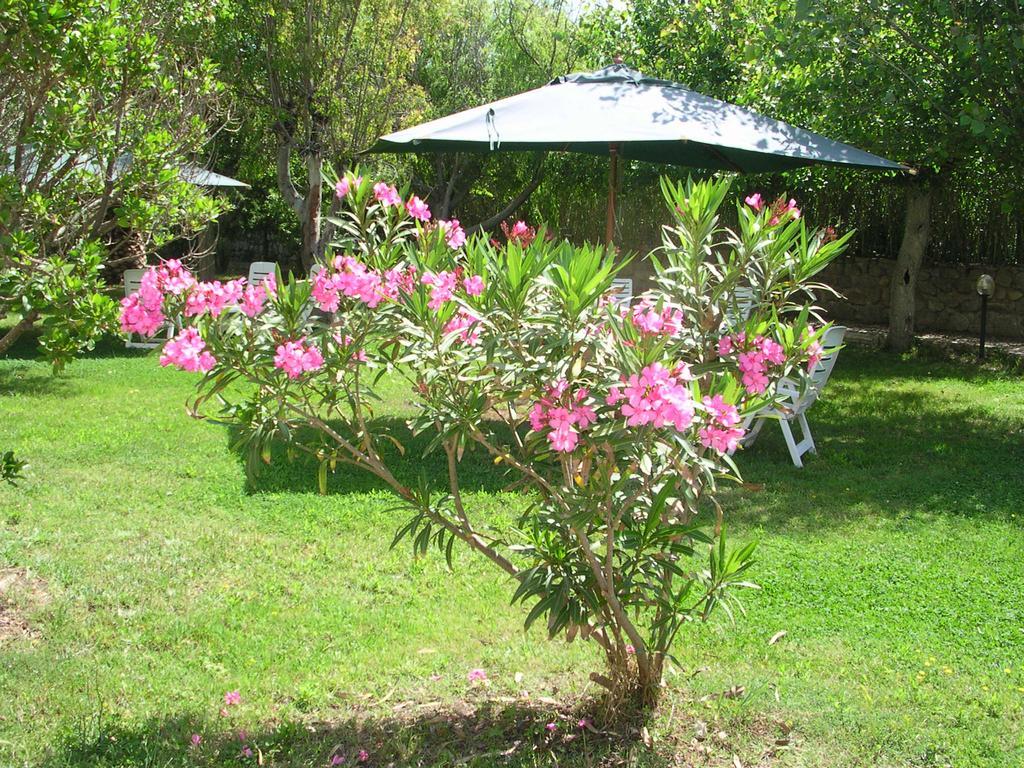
(617, 111)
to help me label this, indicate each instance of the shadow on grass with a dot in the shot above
(483, 733)
(27, 348)
(408, 464)
(888, 450)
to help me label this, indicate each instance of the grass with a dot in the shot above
(892, 562)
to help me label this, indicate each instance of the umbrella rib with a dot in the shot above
(721, 156)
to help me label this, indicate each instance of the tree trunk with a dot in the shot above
(311, 210)
(12, 335)
(908, 263)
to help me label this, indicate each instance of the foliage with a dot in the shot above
(619, 424)
(103, 102)
(928, 83)
(11, 467)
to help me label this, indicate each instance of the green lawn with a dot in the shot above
(155, 580)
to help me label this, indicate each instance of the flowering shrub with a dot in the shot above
(617, 421)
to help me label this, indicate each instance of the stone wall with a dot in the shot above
(946, 296)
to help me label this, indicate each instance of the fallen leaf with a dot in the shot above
(777, 636)
(736, 761)
(701, 729)
(519, 677)
(646, 736)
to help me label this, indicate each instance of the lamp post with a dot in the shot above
(986, 287)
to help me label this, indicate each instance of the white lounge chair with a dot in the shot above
(622, 291)
(259, 270)
(132, 283)
(796, 401)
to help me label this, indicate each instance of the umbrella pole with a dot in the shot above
(613, 181)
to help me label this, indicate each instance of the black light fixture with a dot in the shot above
(986, 287)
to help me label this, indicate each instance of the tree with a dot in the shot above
(101, 104)
(933, 83)
(616, 423)
(318, 81)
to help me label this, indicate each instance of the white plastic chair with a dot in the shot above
(259, 270)
(622, 291)
(738, 312)
(132, 283)
(795, 401)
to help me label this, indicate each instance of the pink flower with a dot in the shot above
(173, 278)
(270, 285)
(443, 286)
(474, 285)
(246, 751)
(196, 739)
(137, 318)
(781, 210)
(231, 698)
(564, 416)
(476, 675)
(187, 351)
(724, 346)
(519, 233)
(466, 323)
(344, 185)
(658, 398)
(630, 650)
(755, 201)
(649, 321)
(583, 723)
(294, 358)
(455, 235)
(337, 760)
(386, 195)
(212, 297)
(721, 433)
(418, 209)
(814, 353)
(363, 756)
(252, 300)
(552, 727)
(719, 439)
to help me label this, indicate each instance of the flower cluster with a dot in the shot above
(349, 277)
(651, 321)
(565, 414)
(657, 396)
(755, 359)
(142, 312)
(721, 433)
(454, 234)
(213, 297)
(779, 210)
(444, 284)
(295, 358)
(519, 232)
(187, 351)
(465, 324)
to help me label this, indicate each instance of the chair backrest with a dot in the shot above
(315, 270)
(259, 270)
(133, 280)
(831, 343)
(622, 291)
(738, 311)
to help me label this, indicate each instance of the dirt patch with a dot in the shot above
(20, 594)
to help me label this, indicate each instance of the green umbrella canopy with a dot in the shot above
(617, 111)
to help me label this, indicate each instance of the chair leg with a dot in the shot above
(751, 434)
(808, 439)
(794, 449)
